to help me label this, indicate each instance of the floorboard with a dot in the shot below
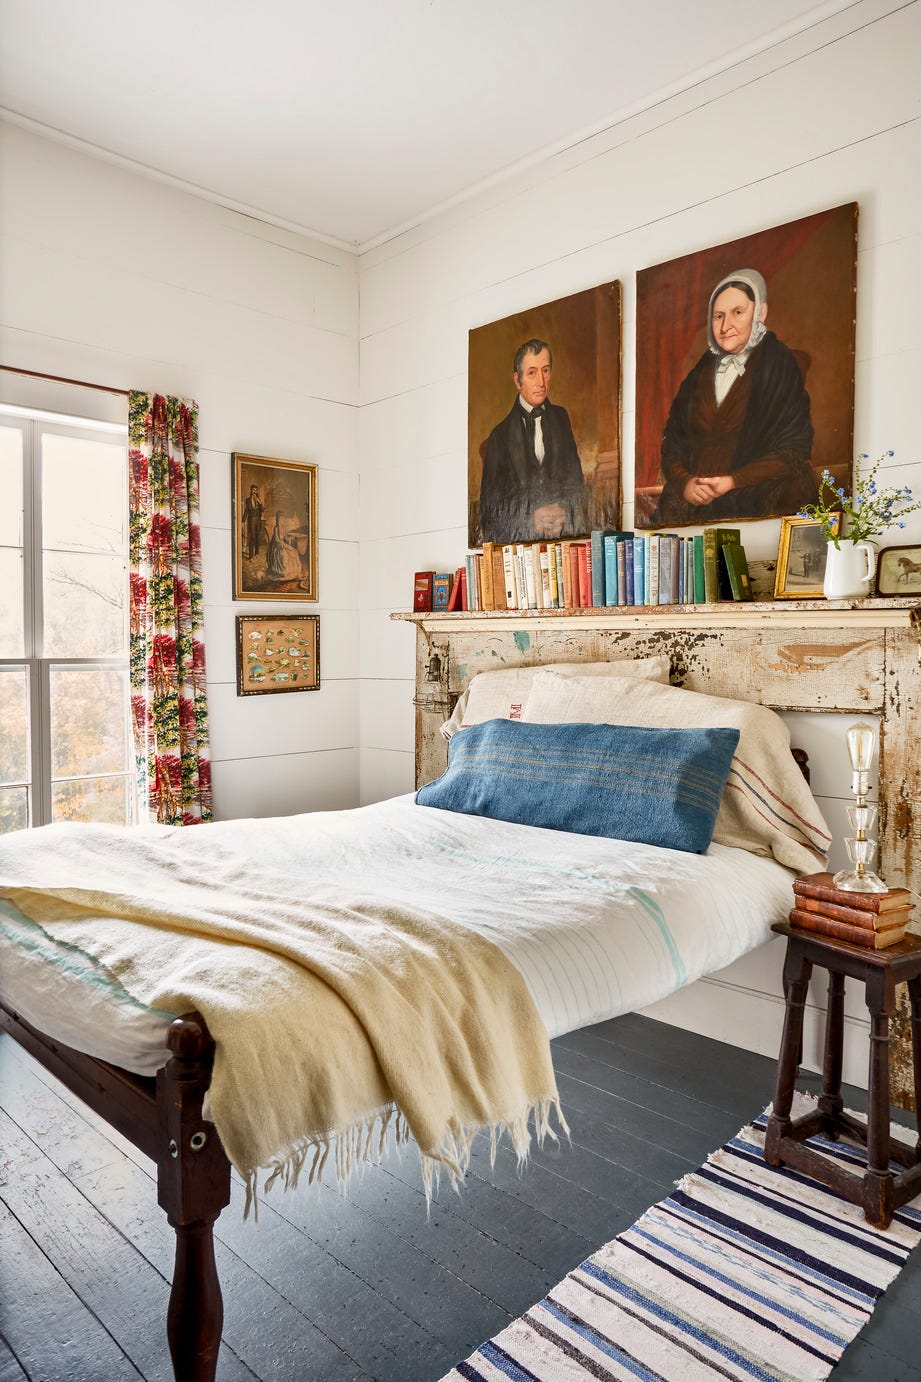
(366, 1286)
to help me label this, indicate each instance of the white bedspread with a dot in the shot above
(596, 927)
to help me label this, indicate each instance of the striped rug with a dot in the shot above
(744, 1272)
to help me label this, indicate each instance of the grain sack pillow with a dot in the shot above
(501, 694)
(767, 808)
(653, 786)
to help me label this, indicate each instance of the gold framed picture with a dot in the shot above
(801, 559)
(277, 652)
(274, 519)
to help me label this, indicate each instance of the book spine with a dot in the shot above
(674, 553)
(441, 590)
(422, 590)
(872, 921)
(646, 592)
(856, 935)
(681, 563)
(551, 575)
(628, 571)
(511, 577)
(560, 585)
(639, 571)
(867, 902)
(711, 548)
(543, 557)
(585, 575)
(526, 566)
(689, 571)
(621, 574)
(487, 595)
(700, 593)
(610, 570)
(665, 569)
(597, 550)
(565, 548)
(574, 574)
(464, 596)
(498, 577)
(655, 543)
(473, 601)
(454, 599)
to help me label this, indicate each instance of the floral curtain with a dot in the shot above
(167, 649)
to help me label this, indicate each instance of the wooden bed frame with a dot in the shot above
(824, 656)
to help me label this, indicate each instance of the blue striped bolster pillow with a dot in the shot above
(654, 786)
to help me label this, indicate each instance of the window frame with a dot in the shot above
(34, 423)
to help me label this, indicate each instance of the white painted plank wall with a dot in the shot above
(827, 117)
(115, 279)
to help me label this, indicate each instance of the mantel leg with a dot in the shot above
(193, 1182)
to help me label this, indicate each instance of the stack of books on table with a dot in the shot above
(873, 920)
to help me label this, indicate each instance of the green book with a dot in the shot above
(737, 570)
(716, 577)
(700, 594)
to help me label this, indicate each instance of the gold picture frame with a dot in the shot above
(274, 516)
(801, 558)
(277, 652)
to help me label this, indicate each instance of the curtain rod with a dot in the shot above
(61, 379)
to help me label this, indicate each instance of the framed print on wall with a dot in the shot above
(277, 652)
(801, 558)
(274, 506)
(550, 468)
(745, 374)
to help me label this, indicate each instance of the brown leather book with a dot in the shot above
(857, 935)
(874, 921)
(821, 886)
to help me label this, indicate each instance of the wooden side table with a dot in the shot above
(879, 1191)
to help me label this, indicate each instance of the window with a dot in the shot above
(65, 728)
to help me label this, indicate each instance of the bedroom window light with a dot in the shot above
(66, 749)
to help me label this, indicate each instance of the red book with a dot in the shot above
(422, 590)
(856, 935)
(585, 576)
(574, 575)
(463, 588)
(822, 886)
(454, 599)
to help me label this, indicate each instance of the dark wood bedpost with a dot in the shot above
(193, 1186)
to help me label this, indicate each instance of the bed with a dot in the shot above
(106, 1051)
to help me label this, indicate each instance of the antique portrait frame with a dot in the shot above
(277, 653)
(274, 518)
(898, 570)
(804, 362)
(802, 542)
(583, 332)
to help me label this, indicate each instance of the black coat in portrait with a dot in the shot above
(514, 483)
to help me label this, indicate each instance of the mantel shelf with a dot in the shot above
(898, 613)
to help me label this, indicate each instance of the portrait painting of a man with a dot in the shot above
(745, 374)
(542, 467)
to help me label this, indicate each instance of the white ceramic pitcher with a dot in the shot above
(849, 570)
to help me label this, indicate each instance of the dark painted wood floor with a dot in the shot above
(327, 1288)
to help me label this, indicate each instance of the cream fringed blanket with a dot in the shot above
(333, 1015)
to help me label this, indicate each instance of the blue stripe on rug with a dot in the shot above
(743, 1272)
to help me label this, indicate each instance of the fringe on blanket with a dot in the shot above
(366, 1141)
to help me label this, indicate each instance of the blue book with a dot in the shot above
(647, 570)
(610, 569)
(680, 591)
(597, 538)
(639, 571)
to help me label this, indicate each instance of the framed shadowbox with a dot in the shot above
(898, 571)
(801, 559)
(277, 652)
(274, 529)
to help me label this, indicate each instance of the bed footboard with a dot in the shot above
(163, 1118)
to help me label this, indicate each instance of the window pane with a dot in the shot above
(11, 631)
(14, 808)
(14, 725)
(91, 799)
(85, 600)
(11, 487)
(84, 494)
(89, 728)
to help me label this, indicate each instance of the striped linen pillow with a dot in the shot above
(767, 807)
(652, 786)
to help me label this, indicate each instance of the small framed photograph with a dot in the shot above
(277, 652)
(898, 571)
(801, 559)
(274, 507)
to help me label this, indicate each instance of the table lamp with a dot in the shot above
(861, 850)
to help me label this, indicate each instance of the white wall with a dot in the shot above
(827, 117)
(115, 279)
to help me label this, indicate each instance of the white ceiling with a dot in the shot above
(353, 118)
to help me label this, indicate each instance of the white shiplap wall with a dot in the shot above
(115, 279)
(827, 117)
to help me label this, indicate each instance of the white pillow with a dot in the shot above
(767, 808)
(501, 694)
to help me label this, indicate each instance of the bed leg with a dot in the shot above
(193, 1186)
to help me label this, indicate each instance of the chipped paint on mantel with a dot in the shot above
(816, 655)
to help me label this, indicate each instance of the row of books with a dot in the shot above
(608, 568)
(871, 920)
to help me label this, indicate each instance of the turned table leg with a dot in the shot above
(797, 972)
(193, 1182)
(878, 1181)
(830, 1100)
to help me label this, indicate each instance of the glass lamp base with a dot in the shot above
(850, 881)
